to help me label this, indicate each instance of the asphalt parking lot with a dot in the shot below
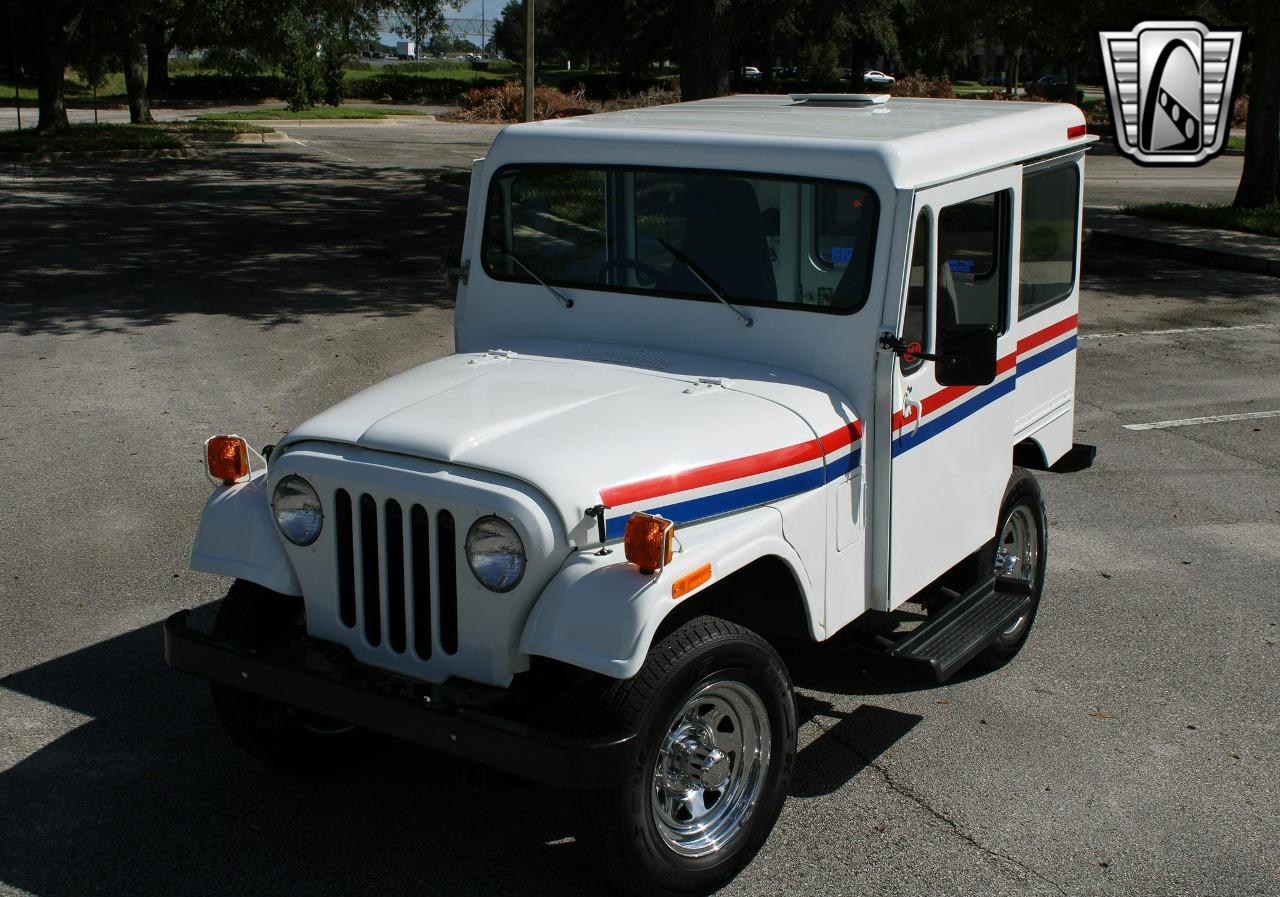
(1132, 748)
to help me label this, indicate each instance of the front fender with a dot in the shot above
(237, 537)
(600, 613)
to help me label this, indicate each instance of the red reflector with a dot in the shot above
(1077, 131)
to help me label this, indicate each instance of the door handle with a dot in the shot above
(911, 411)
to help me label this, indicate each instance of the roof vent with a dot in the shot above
(841, 99)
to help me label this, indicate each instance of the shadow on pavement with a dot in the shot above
(261, 234)
(149, 797)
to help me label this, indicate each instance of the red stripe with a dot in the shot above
(949, 394)
(1040, 337)
(723, 471)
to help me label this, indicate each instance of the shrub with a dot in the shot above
(921, 85)
(607, 85)
(400, 87)
(505, 103)
(1240, 111)
(225, 87)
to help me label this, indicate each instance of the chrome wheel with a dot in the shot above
(1018, 554)
(711, 767)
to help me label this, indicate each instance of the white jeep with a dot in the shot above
(727, 372)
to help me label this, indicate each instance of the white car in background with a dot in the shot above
(874, 77)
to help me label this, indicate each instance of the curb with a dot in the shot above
(1192, 255)
(318, 123)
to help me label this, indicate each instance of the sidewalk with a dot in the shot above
(1204, 246)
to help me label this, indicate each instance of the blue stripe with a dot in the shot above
(724, 502)
(924, 432)
(694, 509)
(837, 469)
(1048, 355)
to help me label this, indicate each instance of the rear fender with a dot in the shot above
(600, 613)
(237, 537)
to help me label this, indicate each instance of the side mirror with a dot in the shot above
(966, 354)
(452, 271)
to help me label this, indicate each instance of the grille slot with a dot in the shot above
(369, 569)
(420, 542)
(399, 563)
(395, 576)
(447, 562)
(346, 560)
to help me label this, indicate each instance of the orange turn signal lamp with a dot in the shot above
(226, 459)
(648, 541)
(690, 581)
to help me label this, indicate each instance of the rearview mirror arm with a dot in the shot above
(898, 346)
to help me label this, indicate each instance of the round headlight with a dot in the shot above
(297, 510)
(495, 554)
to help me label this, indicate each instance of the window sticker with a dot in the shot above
(960, 266)
(841, 255)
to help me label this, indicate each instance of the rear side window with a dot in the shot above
(1050, 205)
(973, 261)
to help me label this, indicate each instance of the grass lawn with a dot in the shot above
(315, 112)
(1265, 220)
(114, 137)
(1235, 143)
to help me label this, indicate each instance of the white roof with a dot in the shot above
(914, 142)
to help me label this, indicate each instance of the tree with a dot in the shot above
(42, 33)
(705, 53)
(418, 19)
(1260, 180)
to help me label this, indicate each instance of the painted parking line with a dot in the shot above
(1088, 336)
(1212, 419)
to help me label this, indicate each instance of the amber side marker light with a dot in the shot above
(226, 459)
(690, 581)
(648, 541)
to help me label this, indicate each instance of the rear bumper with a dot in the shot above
(317, 677)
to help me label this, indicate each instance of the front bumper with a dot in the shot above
(322, 678)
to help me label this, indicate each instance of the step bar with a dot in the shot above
(966, 626)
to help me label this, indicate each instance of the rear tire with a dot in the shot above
(1021, 551)
(714, 709)
(278, 734)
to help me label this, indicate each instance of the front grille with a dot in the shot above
(387, 571)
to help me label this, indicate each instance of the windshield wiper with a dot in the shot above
(705, 279)
(564, 300)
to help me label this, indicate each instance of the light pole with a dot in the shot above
(528, 60)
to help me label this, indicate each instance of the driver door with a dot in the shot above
(951, 445)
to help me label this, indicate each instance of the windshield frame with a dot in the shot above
(808, 251)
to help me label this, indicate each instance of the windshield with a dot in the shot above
(758, 240)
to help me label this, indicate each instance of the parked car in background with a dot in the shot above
(874, 77)
(995, 79)
(751, 73)
(1054, 87)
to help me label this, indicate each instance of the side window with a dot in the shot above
(1050, 206)
(915, 327)
(973, 261)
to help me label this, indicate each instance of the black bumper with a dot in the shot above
(322, 682)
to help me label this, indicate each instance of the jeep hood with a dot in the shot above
(580, 420)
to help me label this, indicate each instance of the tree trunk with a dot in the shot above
(704, 48)
(52, 68)
(135, 75)
(157, 61)
(1260, 180)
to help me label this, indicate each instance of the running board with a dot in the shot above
(966, 626)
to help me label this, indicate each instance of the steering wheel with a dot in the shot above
(644, 270)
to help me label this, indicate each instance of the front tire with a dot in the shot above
(283, 736)
(714, 708)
